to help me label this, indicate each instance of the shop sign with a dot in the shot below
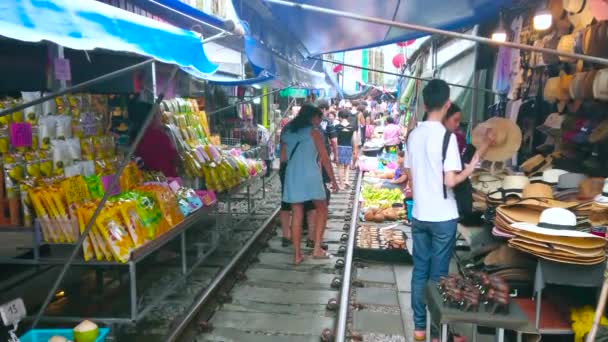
(21, 134)
(291, 92)
(62, 69)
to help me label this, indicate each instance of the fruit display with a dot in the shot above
(221, 169)
(379, 197)
(380, 215)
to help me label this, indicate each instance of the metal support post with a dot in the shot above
(133, 289)
(264, 186)
(248, 198)
(184, 256)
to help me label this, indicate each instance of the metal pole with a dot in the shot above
(431, 30)
(189, 16)
(102, 202)
(401, 75)
(192, 311)
(76, 88)
(475, 85)
(348, 265)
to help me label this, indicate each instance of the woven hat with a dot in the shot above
(602, 198)
(600, 85)
(537, 190)
(579, 13)
(552, 125)
(566, 44)
(588, 84)
(599, 9)
(505, 134)
(599, 133)
(511, 186)
(551, 90)
(486, 183)
(590, 187)
(551, 177)
(570, 180)
(536, 164)
(576, 91)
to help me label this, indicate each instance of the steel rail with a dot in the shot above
(431, 30)
(348, 267)
(210, 290)
(401, 75)
(76, 87)
(149, 118)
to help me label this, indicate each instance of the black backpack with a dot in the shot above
(463, 192)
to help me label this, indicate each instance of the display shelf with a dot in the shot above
(382, 254)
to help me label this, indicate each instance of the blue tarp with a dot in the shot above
(291, 31)
(89, 25)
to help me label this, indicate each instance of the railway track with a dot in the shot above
(260, 296)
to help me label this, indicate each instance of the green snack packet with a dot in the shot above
(95, 187)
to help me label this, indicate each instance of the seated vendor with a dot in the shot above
(400, 178)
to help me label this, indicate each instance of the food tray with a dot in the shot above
(43, 335)
(378, 251)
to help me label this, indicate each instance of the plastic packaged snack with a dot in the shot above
(88, 250)
(64, 127)
(131, 177)
(14, 173)
(115, 234)
(61, 105)
(73, 148)
(47, 131)
(128, 212)
(86, 148)
(31, 113)
(46, 164)
(94, 186)
(61, 156)
(4, 140)
(32, 165)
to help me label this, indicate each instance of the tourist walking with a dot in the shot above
(302, 144)
(435, 212)
(347, 148)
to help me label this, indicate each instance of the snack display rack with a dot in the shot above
(66, 254)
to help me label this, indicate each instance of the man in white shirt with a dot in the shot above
(435, 216)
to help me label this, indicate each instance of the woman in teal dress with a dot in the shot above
(303, 148)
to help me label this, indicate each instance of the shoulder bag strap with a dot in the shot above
(444, 150)
(293, 151)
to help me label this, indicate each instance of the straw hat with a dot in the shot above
(552, 125)
(600, 85)
(602, 198)
(570, 180)
(599, 133)
(486, 183)
(566, 44)
(537, 190)
(599, 9)
(588, 84)
(590, 187)
(576, 91)
(511, 186)
(552, 89)
(535, 164)
(505, 134)
(551, 177)
(579, 13)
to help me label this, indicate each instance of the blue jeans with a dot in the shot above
(432, 251)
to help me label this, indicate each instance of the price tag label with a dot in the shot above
(63, 71)
(13, 312)
(106, 181)
(75, 189)
(21, 134)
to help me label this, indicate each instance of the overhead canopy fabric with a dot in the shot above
(89, 25)
(292, 30)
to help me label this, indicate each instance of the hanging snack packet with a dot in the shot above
(26, 206)
(47, 131)
(94, 185)
(88, 250)
(5, 121)
(31, 113)
(14, 173)
(35, 138)
(135, 227)
(61, 107)
(61, 156)
(131, 177)
(32, 165)
(46, 164)
(86, 148)
(4, 140)
(16, 116)
(73, 148)
(64, 127)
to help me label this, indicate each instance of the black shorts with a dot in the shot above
(308, 205)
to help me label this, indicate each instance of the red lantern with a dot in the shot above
(337, 68)
(407, 43)
(398, 60)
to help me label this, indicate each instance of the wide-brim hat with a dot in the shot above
(579, 13)
(602, 198)
(600, 85)
(590, 188)
(537, 190)
(570, 180)
(486, 183)
(506, 135)
(599, 133)
(511, 186)
(551, 177)
(552, 125)
(566, 44)
(588, 82)
(599, 9)
(551, 90)
(537, 163)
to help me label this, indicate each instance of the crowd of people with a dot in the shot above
(321, 133)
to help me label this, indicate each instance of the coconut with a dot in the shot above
(379, 218)
(57, 338)
(369, 216)
(86, 331)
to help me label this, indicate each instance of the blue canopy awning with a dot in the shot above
(89, 25)
(292, 30)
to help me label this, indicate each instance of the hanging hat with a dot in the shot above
(551, 177)
(566, 44)
(579, 13)
(511, 186)
(537, 190)
(536, 164)
(588, 84)
(552, 125)
(505, 134)
(599, 9)
(570, 180)
(599, 133)
(552, 89)
(600, 85)
(590, 187)
(576, 91)
(486, 183)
